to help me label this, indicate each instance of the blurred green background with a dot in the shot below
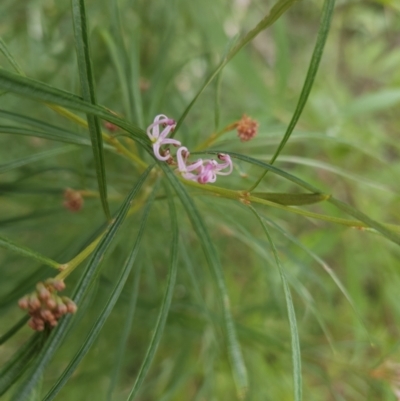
(346, 143)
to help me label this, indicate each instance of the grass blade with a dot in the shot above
(277, 10)
(234, 350)
(296, 354)
(112, 300)
(166, 303)
(10, 58)
(36, 90)
(29, 253)
(88, 94)
(326, 18)
(58, 334)
(291, 199)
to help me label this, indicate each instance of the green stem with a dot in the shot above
(213, 137)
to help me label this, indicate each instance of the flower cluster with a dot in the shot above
(44, 306)
(201, 171)
(246, 128)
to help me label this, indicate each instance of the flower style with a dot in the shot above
(159, 139)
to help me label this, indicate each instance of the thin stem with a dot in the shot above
(213, 137)
(107, 138)
(68, 268)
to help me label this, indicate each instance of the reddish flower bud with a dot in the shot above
(51, 303)
(246, 128)
(34, 303)
(23, 303)
(73, 200)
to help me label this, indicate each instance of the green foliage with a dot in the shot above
(181, 294)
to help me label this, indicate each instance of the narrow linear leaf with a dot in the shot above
(268, 167)
(166, 303)
(88, 94)
(296, 354)
(352, 211)
(36, 90)
(291, 199)
(9, 57)
(29, 253)
(322, 263)
(385, 231)
(234, 350)
(54, 136)
(326, 18)
(14, 329)
(112, 300)
(34, 158)
(58, 334)
(277, 10)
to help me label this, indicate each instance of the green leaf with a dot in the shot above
(277, 10)
(38, 156)
(352, 211)
(385, 231)
(291, 199)
(296, 354)
(166, 303)
(326, 18)
(36, 90)
(234, 350)
(54, 136)
(10, 58)
(14, 329)
(58, 334)
(112, 300)
(88, 94)
(23, 251)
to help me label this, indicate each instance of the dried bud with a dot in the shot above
(73, 200)
(246, 128)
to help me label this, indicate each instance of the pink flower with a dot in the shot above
(186, 170)
(202, 171)
(159, 139)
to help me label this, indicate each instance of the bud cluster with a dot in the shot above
(44, 305)
(246, 128)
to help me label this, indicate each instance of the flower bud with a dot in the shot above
(246, 128)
